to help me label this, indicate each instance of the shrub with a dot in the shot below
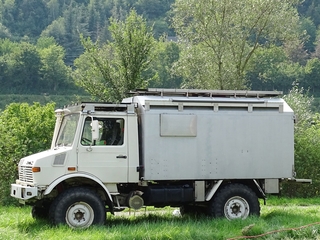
(307, 142)
(25, 129)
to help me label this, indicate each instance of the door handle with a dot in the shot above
(121, 156)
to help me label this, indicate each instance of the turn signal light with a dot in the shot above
(71, 168)
(36, 169)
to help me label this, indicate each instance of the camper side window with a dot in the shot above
(111, 132)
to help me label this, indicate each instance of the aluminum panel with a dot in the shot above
(228, 145)
(178, 125)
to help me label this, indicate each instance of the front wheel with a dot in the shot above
(41, 209)
(234, 201)
(78, 207)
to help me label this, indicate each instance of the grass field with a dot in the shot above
(280, 219)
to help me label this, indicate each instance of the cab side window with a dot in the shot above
(111, 132)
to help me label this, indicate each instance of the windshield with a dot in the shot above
(67, 130)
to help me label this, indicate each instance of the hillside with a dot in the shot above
(40, 39)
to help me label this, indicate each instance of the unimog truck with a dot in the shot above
(214, 151)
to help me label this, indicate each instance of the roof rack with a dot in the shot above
(205, 93)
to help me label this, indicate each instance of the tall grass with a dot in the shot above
(280, 219)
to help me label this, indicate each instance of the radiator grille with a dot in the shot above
(25, 174)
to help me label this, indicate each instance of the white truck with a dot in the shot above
(213, 151)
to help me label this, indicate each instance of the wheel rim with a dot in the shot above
(79, 215)
(236, 207)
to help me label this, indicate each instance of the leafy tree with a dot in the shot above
(74, 23)
(301, 103)
(56, 29)
(7, 62)
(196, 66)
(54, 11)
(160, 72)
(223, 35)
(317, 45)
(55, 74)
(26, 70)
(25, 17)
(4, 32)
(310, 8)
(271, 69)
(109, 72)
(97, 20)
(25, 129)
(155, 11)
(312, 76)
(310, 28)
(152, 9)
(296, 52)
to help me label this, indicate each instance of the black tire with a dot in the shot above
(234, 201)
(192, 211)
(78, 207)
(41, 210)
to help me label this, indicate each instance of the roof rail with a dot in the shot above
(205, 93)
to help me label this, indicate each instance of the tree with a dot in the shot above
(224, 35)
(166, 54)
(74, 23)
(7, 63)
(308, 26)
(97, 19)
(312, 76)
(56, 29)
(25, 17)
(271, 69)
(109, 72)
(300, 102)
(26, 69)
(55, 73)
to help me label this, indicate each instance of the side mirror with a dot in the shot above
(95, 130)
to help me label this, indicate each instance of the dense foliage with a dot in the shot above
(25, 129)
(40, 39)
(222, 37)
(307, 140)
(110, 72)
(34, 69)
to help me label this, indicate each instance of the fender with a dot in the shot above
(213, 190)
(73, 175)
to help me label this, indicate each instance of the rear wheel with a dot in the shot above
(78, 207)
(234, 201)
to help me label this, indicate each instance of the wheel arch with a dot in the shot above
(254, 184)
(84, 178)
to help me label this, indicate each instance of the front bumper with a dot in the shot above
(23, 192)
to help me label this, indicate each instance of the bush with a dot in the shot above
(307, 142)
(25, 129)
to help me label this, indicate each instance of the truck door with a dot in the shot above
(107, 157)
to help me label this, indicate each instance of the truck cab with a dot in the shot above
(91, 146)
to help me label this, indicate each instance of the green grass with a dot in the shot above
(292, 218)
